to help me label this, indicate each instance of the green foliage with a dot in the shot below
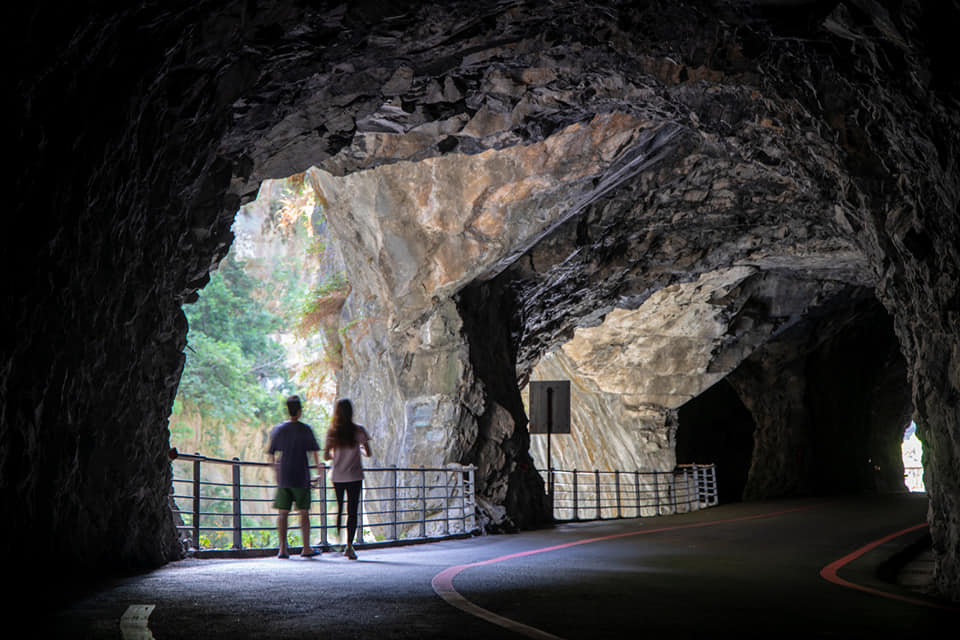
(334, 283)
(229, 313)
(234, 371)
(261, 539)
(290, 287)
(324, 301)
(218, 380)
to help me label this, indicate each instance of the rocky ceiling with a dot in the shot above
(647, 197)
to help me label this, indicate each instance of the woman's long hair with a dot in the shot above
(343, 432)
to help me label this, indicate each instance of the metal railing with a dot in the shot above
(599, 495)
(228, 505)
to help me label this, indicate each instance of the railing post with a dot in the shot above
(713, 485)
(237, 512)
(656, 492)
(196, 503)
(423, 502)
(472, 502)
(596, 478)
(695, 479)
(715, 494)
(707, 484)
(462, 476)
(394, 528)
(360, 518)
(576, 505)
(636, 489)
(446, 501)
(550, 488)
(672, 491)
(616, 484)
(677, 497)
(322, 488)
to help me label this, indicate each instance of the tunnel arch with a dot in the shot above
(716, 428)
(859, 435)
(180, 115)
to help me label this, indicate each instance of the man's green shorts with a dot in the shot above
(287, 496)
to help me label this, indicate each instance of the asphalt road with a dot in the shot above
(751, 570)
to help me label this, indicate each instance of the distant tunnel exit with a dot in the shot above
(716, 427)
(912, 452)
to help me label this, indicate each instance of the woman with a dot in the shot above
(345, 442)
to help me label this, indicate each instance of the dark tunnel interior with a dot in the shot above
(854, 409)
(716, 427)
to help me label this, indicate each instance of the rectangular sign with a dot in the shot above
(550, 406)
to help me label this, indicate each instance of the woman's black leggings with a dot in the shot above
(353, 506)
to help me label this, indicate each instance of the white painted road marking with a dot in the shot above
(133, 622)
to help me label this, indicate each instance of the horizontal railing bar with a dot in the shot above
(254, 463)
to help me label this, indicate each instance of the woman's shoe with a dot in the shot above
(350, 553)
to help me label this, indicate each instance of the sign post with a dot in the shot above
(550, 414)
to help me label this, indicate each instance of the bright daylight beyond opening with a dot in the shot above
(265, 327)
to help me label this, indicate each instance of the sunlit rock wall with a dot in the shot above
(413, 235)
(609, 431)
(686, 337)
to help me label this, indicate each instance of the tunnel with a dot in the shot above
(716, 426)
(733, 224)
(842, 443)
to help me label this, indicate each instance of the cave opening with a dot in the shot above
(859, 404)
(912, 451)
(715, 427)
(263, 328)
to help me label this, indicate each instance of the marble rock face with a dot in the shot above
(647, 197)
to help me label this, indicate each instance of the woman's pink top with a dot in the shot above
(347, 465)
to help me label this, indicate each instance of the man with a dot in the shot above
(293, 439)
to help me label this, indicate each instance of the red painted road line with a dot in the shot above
(443, 582)
(829, 572)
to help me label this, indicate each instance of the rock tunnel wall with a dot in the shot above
(838, 442)
(818, 138)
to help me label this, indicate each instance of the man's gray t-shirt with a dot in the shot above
(293, 440)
